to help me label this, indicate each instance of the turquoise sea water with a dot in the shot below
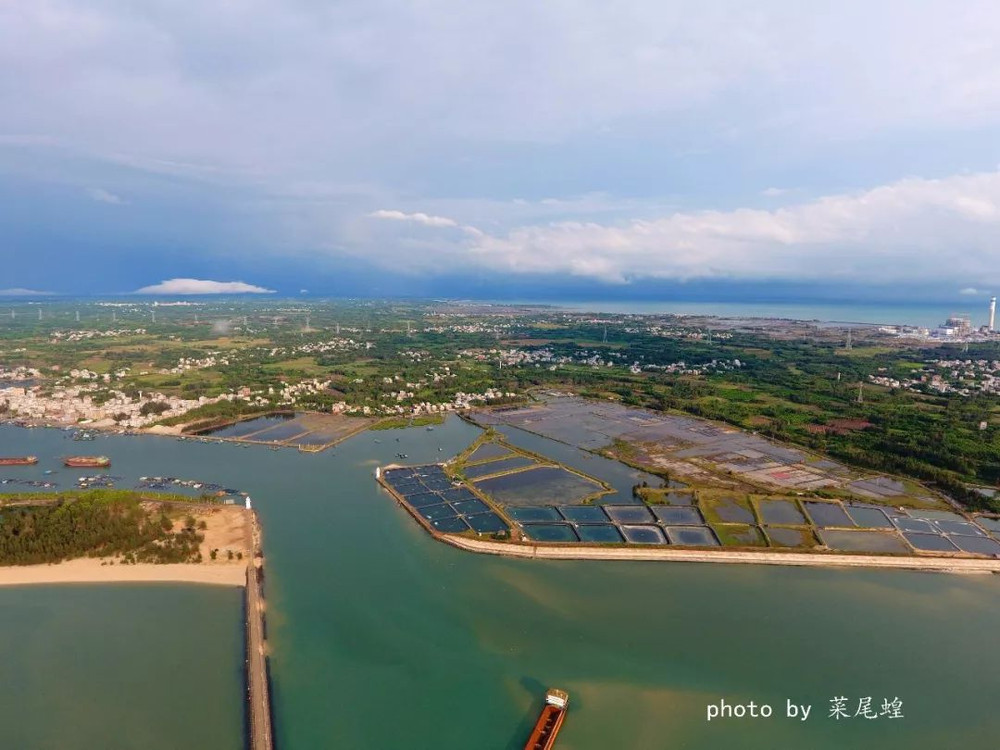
(383, 638)
(156, 667)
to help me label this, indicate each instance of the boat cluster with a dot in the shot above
(96, 480)
(41, 483)
(162, 483)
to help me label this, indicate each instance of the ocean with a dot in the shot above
(383, 638)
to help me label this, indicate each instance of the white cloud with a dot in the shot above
(103, 196)
(19, 292)
(148, 85)
(208, 92)
(969, 291)
(418, 218)
(202, 286)
(773, 192)
(910, 230)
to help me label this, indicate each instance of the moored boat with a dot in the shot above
(543, 736)
(88, 462)
(18, 460)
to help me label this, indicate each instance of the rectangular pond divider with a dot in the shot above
(725, 530)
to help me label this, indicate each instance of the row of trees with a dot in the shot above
(95, 524)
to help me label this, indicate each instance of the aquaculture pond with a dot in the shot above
(867, 517)
(550, 532)
(453, 525)
(786, 537)
(488, 452)
(929, 542)
(308, 429)
(863, 541)
(448, 508)
(732, 510)
(677, 516)
(993, 524)
(915, 525)
(546, 503)
(644, 534)
(679, 498)
(279, 433)
(545, 485)
(781, 512)
(935, 515)
(599, 533)
(618, 476)
(692, 536)
(250, 426)
(629, 513)
(828, 514)
(961, 528)
(583, 513)
(740, 535)
(533, 514)
(486, 523)
(976, 544)
(498, 467)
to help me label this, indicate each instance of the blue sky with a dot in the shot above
(632, 149)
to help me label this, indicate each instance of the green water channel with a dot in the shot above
(383, 638)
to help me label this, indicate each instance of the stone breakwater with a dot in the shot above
(258, 687)
(817, 559)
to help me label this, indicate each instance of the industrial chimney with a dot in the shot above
(993, 313)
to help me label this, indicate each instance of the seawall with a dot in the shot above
(815, 559)
(258, 688)
(940, 563)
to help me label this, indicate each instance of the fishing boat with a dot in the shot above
(87, 462)
(18, 460)
(543, 736)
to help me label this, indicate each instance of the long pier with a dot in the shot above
(258, 689)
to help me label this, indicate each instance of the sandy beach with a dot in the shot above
(228, 529)
(91, 570)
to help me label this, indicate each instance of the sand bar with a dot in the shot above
(90, 570)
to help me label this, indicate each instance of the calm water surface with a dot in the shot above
(383, 638)
(156, 667)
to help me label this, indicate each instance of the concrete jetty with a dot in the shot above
(258, 689)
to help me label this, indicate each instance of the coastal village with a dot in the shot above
(962, 377)
(585, 450)
(74, 404)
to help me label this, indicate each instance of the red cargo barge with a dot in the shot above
(18, 460)
(543, 736)
(87, 462)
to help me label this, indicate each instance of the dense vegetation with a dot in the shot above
(795, 382)
(98, 523)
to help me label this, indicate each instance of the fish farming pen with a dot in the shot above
(309, 432)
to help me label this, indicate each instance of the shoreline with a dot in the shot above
(527, 550)
(935, 564)
(90, 570)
